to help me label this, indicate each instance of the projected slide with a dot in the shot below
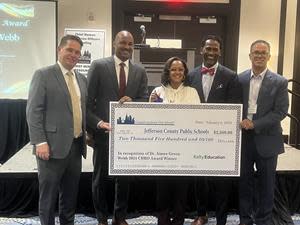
(27, 42)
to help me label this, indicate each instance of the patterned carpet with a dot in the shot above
(142, 220)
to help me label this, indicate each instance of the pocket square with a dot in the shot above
(219, 86)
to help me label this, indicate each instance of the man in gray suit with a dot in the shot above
(265, 100)
(114, 78)
(56, 120)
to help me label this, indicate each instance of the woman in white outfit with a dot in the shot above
(172, 191)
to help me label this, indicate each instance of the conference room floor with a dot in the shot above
(80, 219)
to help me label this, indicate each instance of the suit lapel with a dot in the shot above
(246, 86)
(61, 80)
(200, 88)
(131, 78)
(265, 87)
(216, 82)
(113, 74)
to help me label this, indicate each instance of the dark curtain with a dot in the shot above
(13, 127)
(18, 197)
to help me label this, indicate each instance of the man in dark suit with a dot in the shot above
(215, 84)
(114, 78)
(56, 120)
(265, 99)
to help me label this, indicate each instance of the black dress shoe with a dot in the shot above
(119, 222)
(103, 223)
(200, 220)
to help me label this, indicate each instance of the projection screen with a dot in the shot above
(27, 42)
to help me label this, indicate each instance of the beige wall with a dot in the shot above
(289, 50)
(75, 14)
(290, 32)
(259, 20)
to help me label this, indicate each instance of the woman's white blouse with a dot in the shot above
(183, 94)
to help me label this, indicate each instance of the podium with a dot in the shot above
(153, 60)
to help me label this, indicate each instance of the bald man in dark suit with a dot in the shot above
(114, 78)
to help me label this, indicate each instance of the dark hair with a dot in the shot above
(165, 77)
(212, 37)
(261, 41)
(67, 37)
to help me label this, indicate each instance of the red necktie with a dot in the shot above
(210, 71)
(122, 80)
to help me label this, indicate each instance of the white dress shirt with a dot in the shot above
(254, 88)
(207, 81)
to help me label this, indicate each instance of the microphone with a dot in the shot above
(142, 28)
(143, 34)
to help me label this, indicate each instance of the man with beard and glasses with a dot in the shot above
(214, 83)
(114, 78)
(265, 100)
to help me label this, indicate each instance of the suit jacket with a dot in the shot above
(49, 110)
(103, 87)
(225, 87)
(272, 106)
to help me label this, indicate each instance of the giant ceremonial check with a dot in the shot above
(175, 140)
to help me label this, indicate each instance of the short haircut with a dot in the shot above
(67, 37)
(212, 37)
(261, 41)
(165, 77)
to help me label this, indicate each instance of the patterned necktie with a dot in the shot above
(122, 80)
(77, 118)
(210, 71)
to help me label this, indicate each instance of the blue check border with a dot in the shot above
(173, 172)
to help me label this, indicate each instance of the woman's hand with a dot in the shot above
(154, 97)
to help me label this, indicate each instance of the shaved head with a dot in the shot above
(123, 45)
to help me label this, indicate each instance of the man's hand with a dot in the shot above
(105, 126)
(125, 99)
(247, 124)
(43, 151)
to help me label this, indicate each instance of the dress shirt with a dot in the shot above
(117, 65)
(255, 84)
(207, 81)
(64, 72)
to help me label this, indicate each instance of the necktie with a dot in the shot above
(210, 71)
(122, 80)
(77, 119)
